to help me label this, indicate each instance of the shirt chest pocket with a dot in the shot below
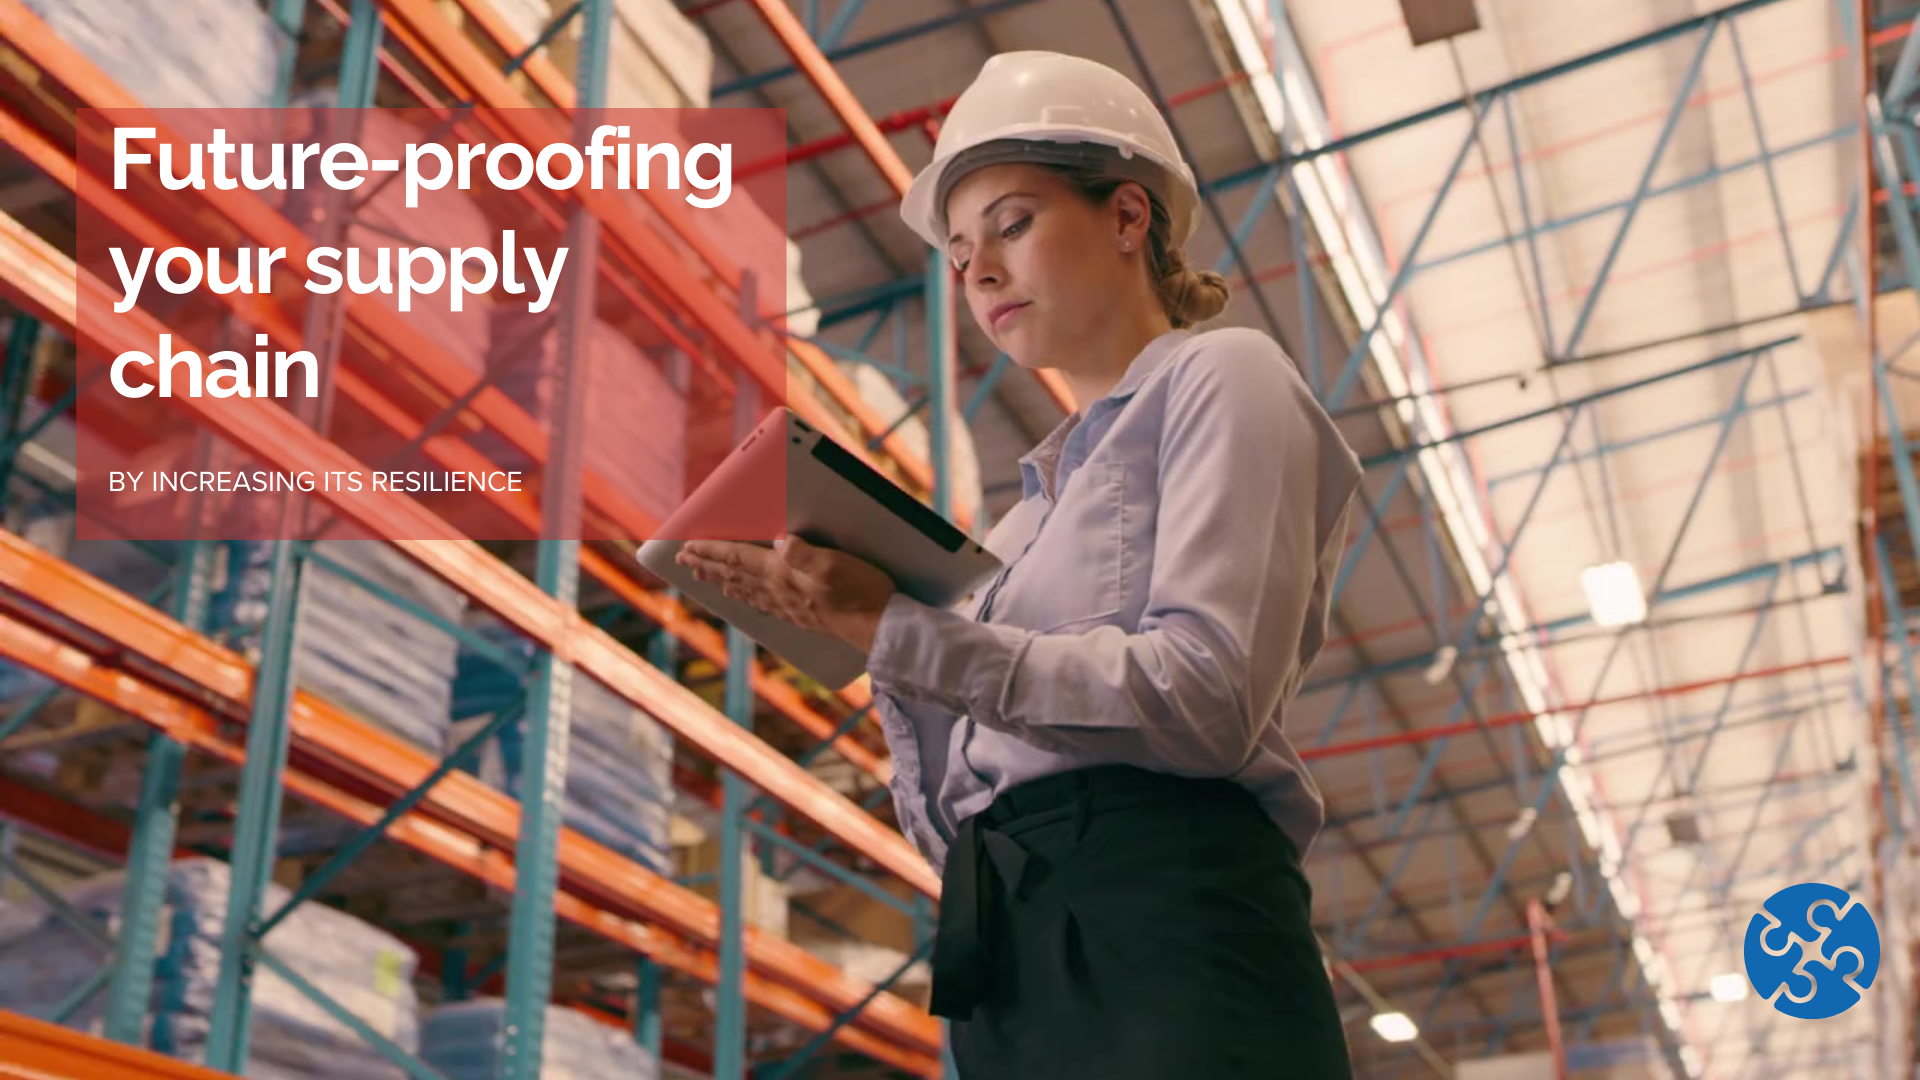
(1076, 573)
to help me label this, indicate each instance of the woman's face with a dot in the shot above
(1043, 266)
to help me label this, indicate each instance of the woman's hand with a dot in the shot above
(814, 588)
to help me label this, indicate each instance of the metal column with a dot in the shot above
(543, 776)
(256, 833)
(1537, 924)
(663, 653)
(150, 851)
(942, 353)
(730, 1029)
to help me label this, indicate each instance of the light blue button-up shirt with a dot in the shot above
(1167, 585)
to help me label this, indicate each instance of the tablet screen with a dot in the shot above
(905, 506)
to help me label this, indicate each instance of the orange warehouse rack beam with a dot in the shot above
(454, 454)
(820, 999)
(467, 827)
(757, 351)
(407, 346)
(23, 30)
(85, 829)
(819, 70)
(45, 283)
(457, 54)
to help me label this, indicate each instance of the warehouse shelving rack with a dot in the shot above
(203, 701)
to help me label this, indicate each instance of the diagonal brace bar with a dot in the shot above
(1672, 123)
(805, 1054)
(413, 1066)
(1350, 371)
(367, 837)
(56, 903)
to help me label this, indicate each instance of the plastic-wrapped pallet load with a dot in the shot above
(175, 54)
(619, 775)
(464, 1042)
(43, 959)
(661, 59)
(636, 419)
(803, 315)
(359, 651)
(620, 771)
(878, 391)
(527, 18)
(47, 522)
(872, 963)
(380, 218)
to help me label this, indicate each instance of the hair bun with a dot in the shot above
(1191, 296)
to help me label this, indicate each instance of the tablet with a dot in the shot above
(786, 476)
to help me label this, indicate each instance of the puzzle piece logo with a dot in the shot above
(1811, 950)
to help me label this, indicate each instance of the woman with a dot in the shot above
(1092, 750)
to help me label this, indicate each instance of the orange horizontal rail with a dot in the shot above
(82, 827)
(450, 51)
(703, 639)
(457, 455)
(261, 222)
(819, 71)
(755, 351)
(32, 37)
(35, 1050)
(462, 822)
(454, 54)
(47, 285)
(807, 56)
(401, 74)
(511, 113)
(478, 856)
(406, 345)
(712, 647)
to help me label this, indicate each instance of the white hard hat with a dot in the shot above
(1041, 106)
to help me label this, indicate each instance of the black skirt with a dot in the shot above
(1119, 924)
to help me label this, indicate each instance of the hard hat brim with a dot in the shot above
(923, 207)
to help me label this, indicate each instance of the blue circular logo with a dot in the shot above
(1811, 950)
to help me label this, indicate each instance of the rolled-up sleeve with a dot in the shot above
(1253, 485)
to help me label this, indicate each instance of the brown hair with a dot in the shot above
(1189, 296)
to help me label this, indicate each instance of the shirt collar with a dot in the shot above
(1144, 365)
(1040, 465)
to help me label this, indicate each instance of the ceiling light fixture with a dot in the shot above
(1395, 1027)
(1614, 595)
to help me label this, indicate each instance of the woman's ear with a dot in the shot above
(1133, 216)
